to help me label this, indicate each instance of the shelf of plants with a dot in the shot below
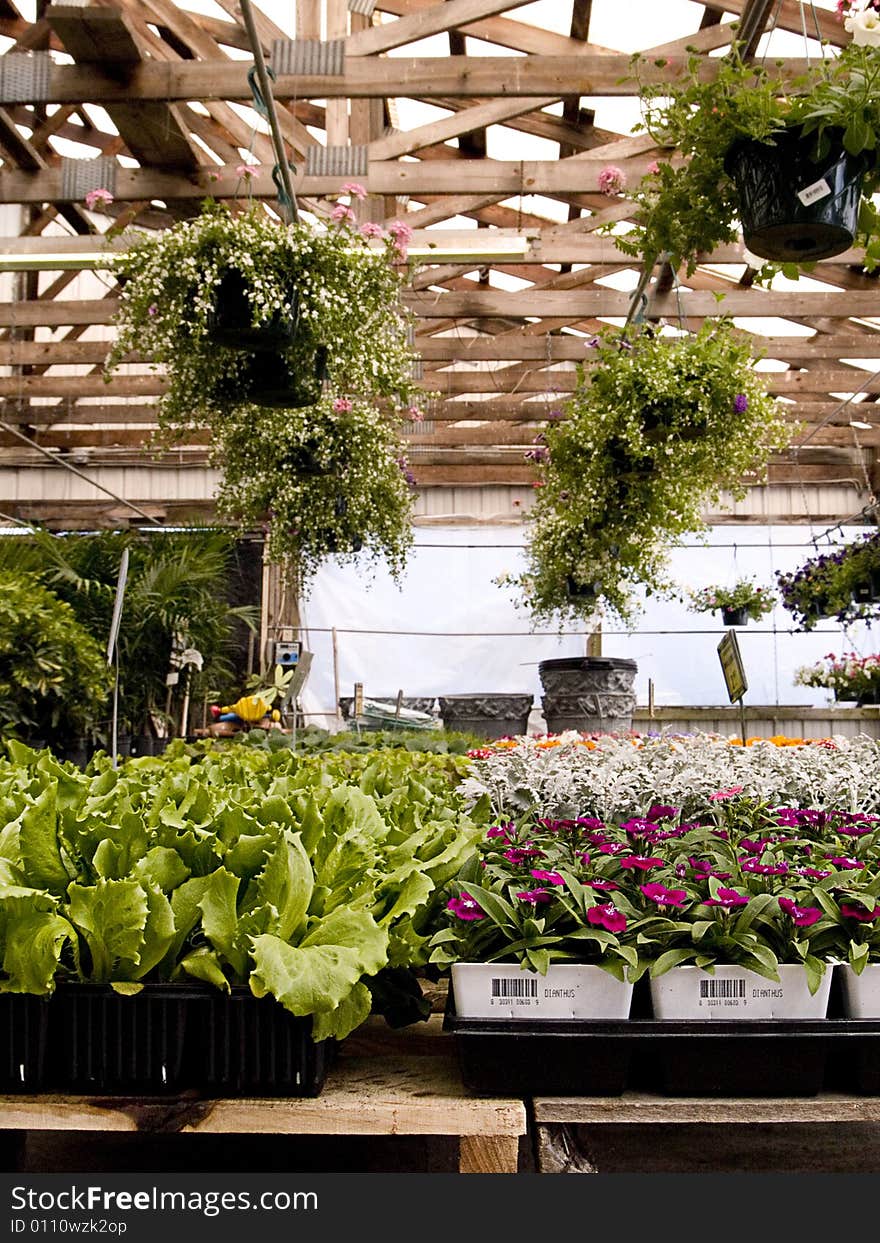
(587, 945)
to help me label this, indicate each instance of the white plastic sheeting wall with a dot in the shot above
(447, 629)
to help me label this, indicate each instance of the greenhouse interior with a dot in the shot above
(439, 580)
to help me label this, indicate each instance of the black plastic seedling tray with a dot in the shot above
(104, 1042)
(252, 1046)
(745, 1058)
(23, 1033)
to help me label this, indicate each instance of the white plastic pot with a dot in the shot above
(567, 991)
(861, 993)
(734, 993)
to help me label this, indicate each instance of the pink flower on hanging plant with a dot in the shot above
(611, 180)
(96, 197)
(370, 229)
(342, 214)
(355, 189)
(246, 171)
(342, 405)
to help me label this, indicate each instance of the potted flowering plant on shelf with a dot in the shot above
(527, 937)
(795, 162)
(850, 676)
(737, 604)
(289, 343)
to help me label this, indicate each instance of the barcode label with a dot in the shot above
(514, 987)
(722, 988)
(812, 194)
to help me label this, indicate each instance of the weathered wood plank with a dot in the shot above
(589, 73)
(642, 1108)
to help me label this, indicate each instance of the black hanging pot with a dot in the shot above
(868, 590)
(272, 380)
(588, 593)
(794, 208)
(735, 617)
(230, 323)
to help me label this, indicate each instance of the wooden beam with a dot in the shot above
(590, 73)
(428, 21)
(103, 37)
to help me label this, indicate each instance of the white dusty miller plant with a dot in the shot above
(327, 477)
(622, 777)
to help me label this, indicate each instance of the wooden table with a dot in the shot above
(384, 1083)
(564, 1150)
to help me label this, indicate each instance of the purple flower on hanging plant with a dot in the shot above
(763, 869)
(519, 854)
(740, 403)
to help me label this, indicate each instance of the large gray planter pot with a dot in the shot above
(588, 693)
(486, 715)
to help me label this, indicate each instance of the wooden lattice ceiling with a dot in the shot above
(150, 94)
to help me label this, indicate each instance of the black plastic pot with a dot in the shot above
(146, 744)
(23, 1036)
(777, 224)
(735, 617)
(588, 593)
(230, 323)
(103, 1042)
(270, 380)
(588, 693)
(76, 751)
(252, 1046)
(868, 591)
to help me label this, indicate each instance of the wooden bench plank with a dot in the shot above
(644, 1108)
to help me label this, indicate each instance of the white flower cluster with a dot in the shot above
(622, 777)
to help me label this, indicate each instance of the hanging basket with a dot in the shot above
(868, 591)
(270, 380)
(735, 617)
(230, 323)
(795, 209)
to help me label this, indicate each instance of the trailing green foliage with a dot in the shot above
(657, 427)
(688, 207)
(327, 471)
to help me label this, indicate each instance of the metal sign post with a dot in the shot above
(734, 674)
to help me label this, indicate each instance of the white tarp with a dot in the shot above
(449, 630)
